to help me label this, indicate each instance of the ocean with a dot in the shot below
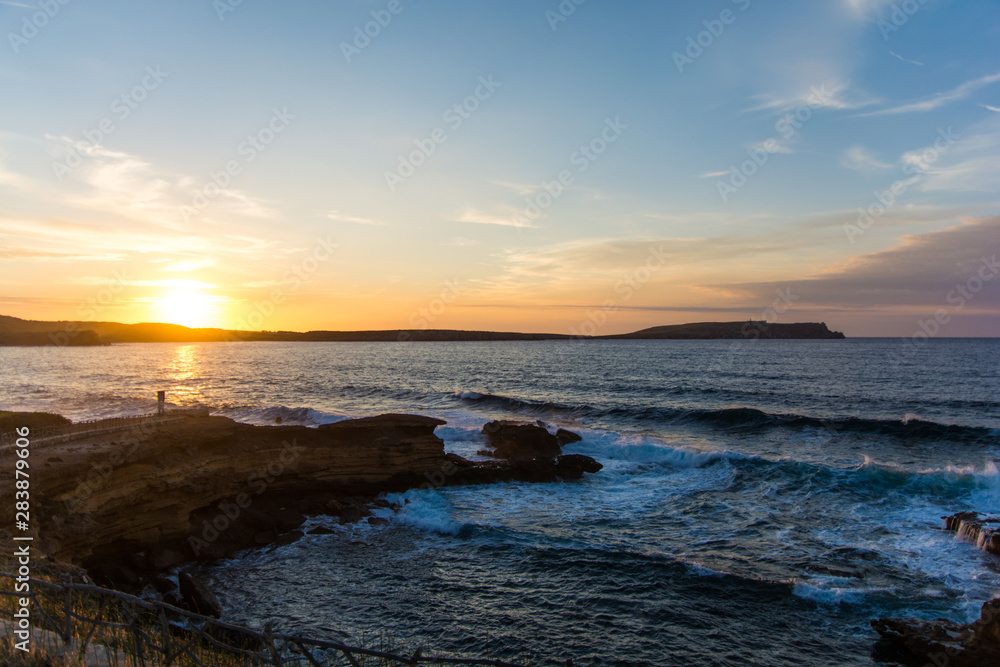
(760, 502)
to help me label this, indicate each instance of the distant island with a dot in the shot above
(15, 331)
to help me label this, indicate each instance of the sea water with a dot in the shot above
(760, 502)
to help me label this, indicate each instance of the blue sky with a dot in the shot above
(644, 109)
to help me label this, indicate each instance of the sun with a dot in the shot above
(189, 308)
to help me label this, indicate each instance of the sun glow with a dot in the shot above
(189, 308)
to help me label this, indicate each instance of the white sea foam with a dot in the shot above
(828, 595)
(267, 416)
(426, 510)
(471, 395)
(630, 448)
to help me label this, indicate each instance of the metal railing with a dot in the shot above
(145, 633)
(8, 438)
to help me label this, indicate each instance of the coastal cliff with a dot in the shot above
(196, 487)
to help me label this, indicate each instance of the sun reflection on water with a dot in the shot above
(184, 373)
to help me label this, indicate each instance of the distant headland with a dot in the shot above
(15, 331)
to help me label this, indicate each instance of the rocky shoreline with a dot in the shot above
(132, 505)
(944, 642)
(125, 509)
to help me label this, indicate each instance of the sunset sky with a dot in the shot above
(506, 165)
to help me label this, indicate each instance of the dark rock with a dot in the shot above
(377, 521)
(539, 469)
(166, 559)
(137, 562)
(516, 440)
(382, 502)
(572, 466)
(320, 530)
(954, 522)
(287, 538)
(265, 537)
(970, 526)
(117, 575)
(353, 514)
(162, 585)
(198, 597)
(459, 461)
(333, 506)
(565, 437)
(945, 642)
(257, 520)
(287, 518)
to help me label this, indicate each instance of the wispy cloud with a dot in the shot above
(940, 99)
(837, 95)
(772, 146)
(906, 60)
(991, 108)
(714, 174)
(341, 217)
(970, 165)
(477, 217)
(117, 202)
(523, 189)
(976, 174)
(860, 158)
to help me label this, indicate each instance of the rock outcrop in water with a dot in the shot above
(521, 440)
(531, 449)
(946, 643)
(972, 526)
(128, 504)
(566, 437)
